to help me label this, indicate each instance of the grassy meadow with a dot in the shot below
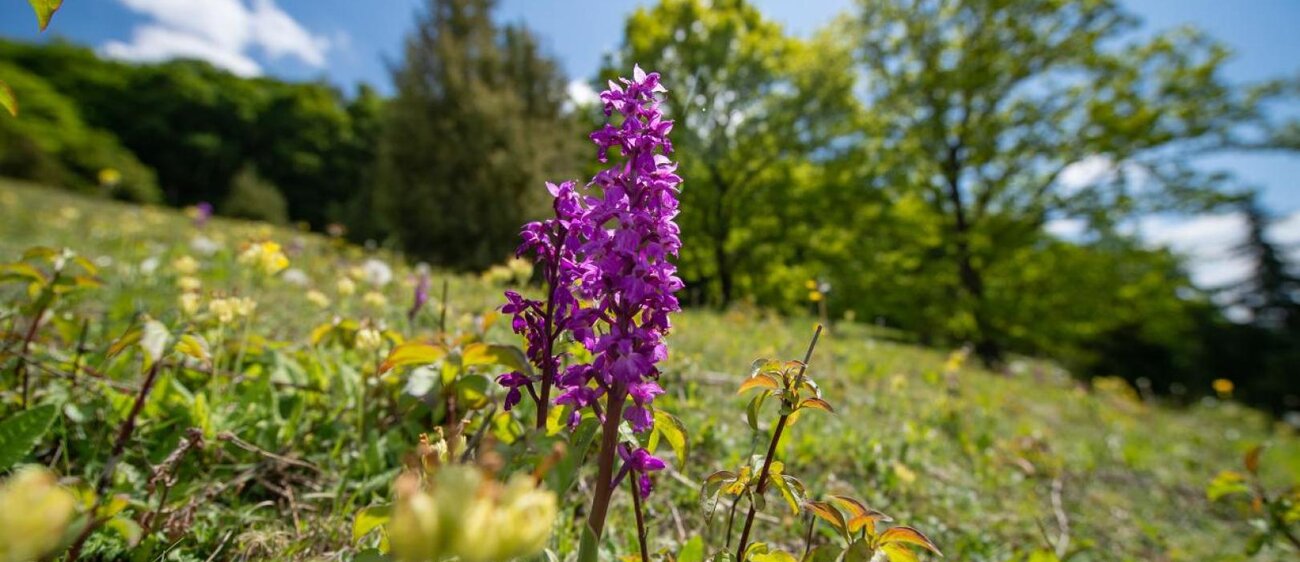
(993, 467)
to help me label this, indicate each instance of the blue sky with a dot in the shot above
(349, 41)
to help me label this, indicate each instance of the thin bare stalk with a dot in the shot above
(31, 335)
(771, 452)
(730, 520)
(640, 518)
(119, 446)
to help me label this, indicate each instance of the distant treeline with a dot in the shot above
(902, 166)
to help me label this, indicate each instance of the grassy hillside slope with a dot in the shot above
(992, 467)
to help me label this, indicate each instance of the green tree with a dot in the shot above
(751, 108)
(475, 130)
(989, 102)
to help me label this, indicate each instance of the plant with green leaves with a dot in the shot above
(1275, 515)
(50, 275)
(790, 383)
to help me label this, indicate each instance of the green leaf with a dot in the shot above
(776, 556)
(412, 353)
(472, 391)
(692, 551)
(565, 473)
(7, 99)
(590, 545)
(129, 530)
(21, 432)
(859, 551)
(791, 488)
(898, 553)
(674, 432)
(754, 408)
(825, 553)
(126, 340)
(45, 10)
(1227, 483)
(369, 519)
(507, 356)
(816, 403)
(193, 345)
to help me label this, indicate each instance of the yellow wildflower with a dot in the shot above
(189, 284)
(346, 287)
(1223, 387)
(222, 309)
(318, 298)
(185, 265)
(265, 257)
(34, 515)
(189, 303)
(375, 299)
(369, 339)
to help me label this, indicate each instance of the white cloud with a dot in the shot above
(581, 93)
(1209, 244)
(222, 32)
(1089, 171)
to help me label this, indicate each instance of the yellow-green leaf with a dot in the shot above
(193, 345)
(472, 391)
(908, 535)
(7, 99)
(21, 272)
(674, 432)
(761, 380)
(368, 520)
(859, 515)
(1226, 483)
(507, 356)
(817, 404)
(45, 10)
(828, 513)
(129, 530)
(898, 553)
(126, 340)
(412, 353)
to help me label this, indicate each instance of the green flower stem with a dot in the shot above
(761, 486)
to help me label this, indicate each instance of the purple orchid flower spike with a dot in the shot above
(421, 296)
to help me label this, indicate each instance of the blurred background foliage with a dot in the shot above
(900, 167)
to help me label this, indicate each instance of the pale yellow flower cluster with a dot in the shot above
(375, 299)
(369, 339)
(460, 513)
(346, 287)
(515, 271)
(227, 309)
(265, 257)
(35, 513)
(318, 298)
(186, 267)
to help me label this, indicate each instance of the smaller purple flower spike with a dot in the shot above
(202, 212)
(421, 296)
(641, 463)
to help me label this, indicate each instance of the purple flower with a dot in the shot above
(513, 380)
(421, 296)
(202, 212)
(606, 258)
(641, 463)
